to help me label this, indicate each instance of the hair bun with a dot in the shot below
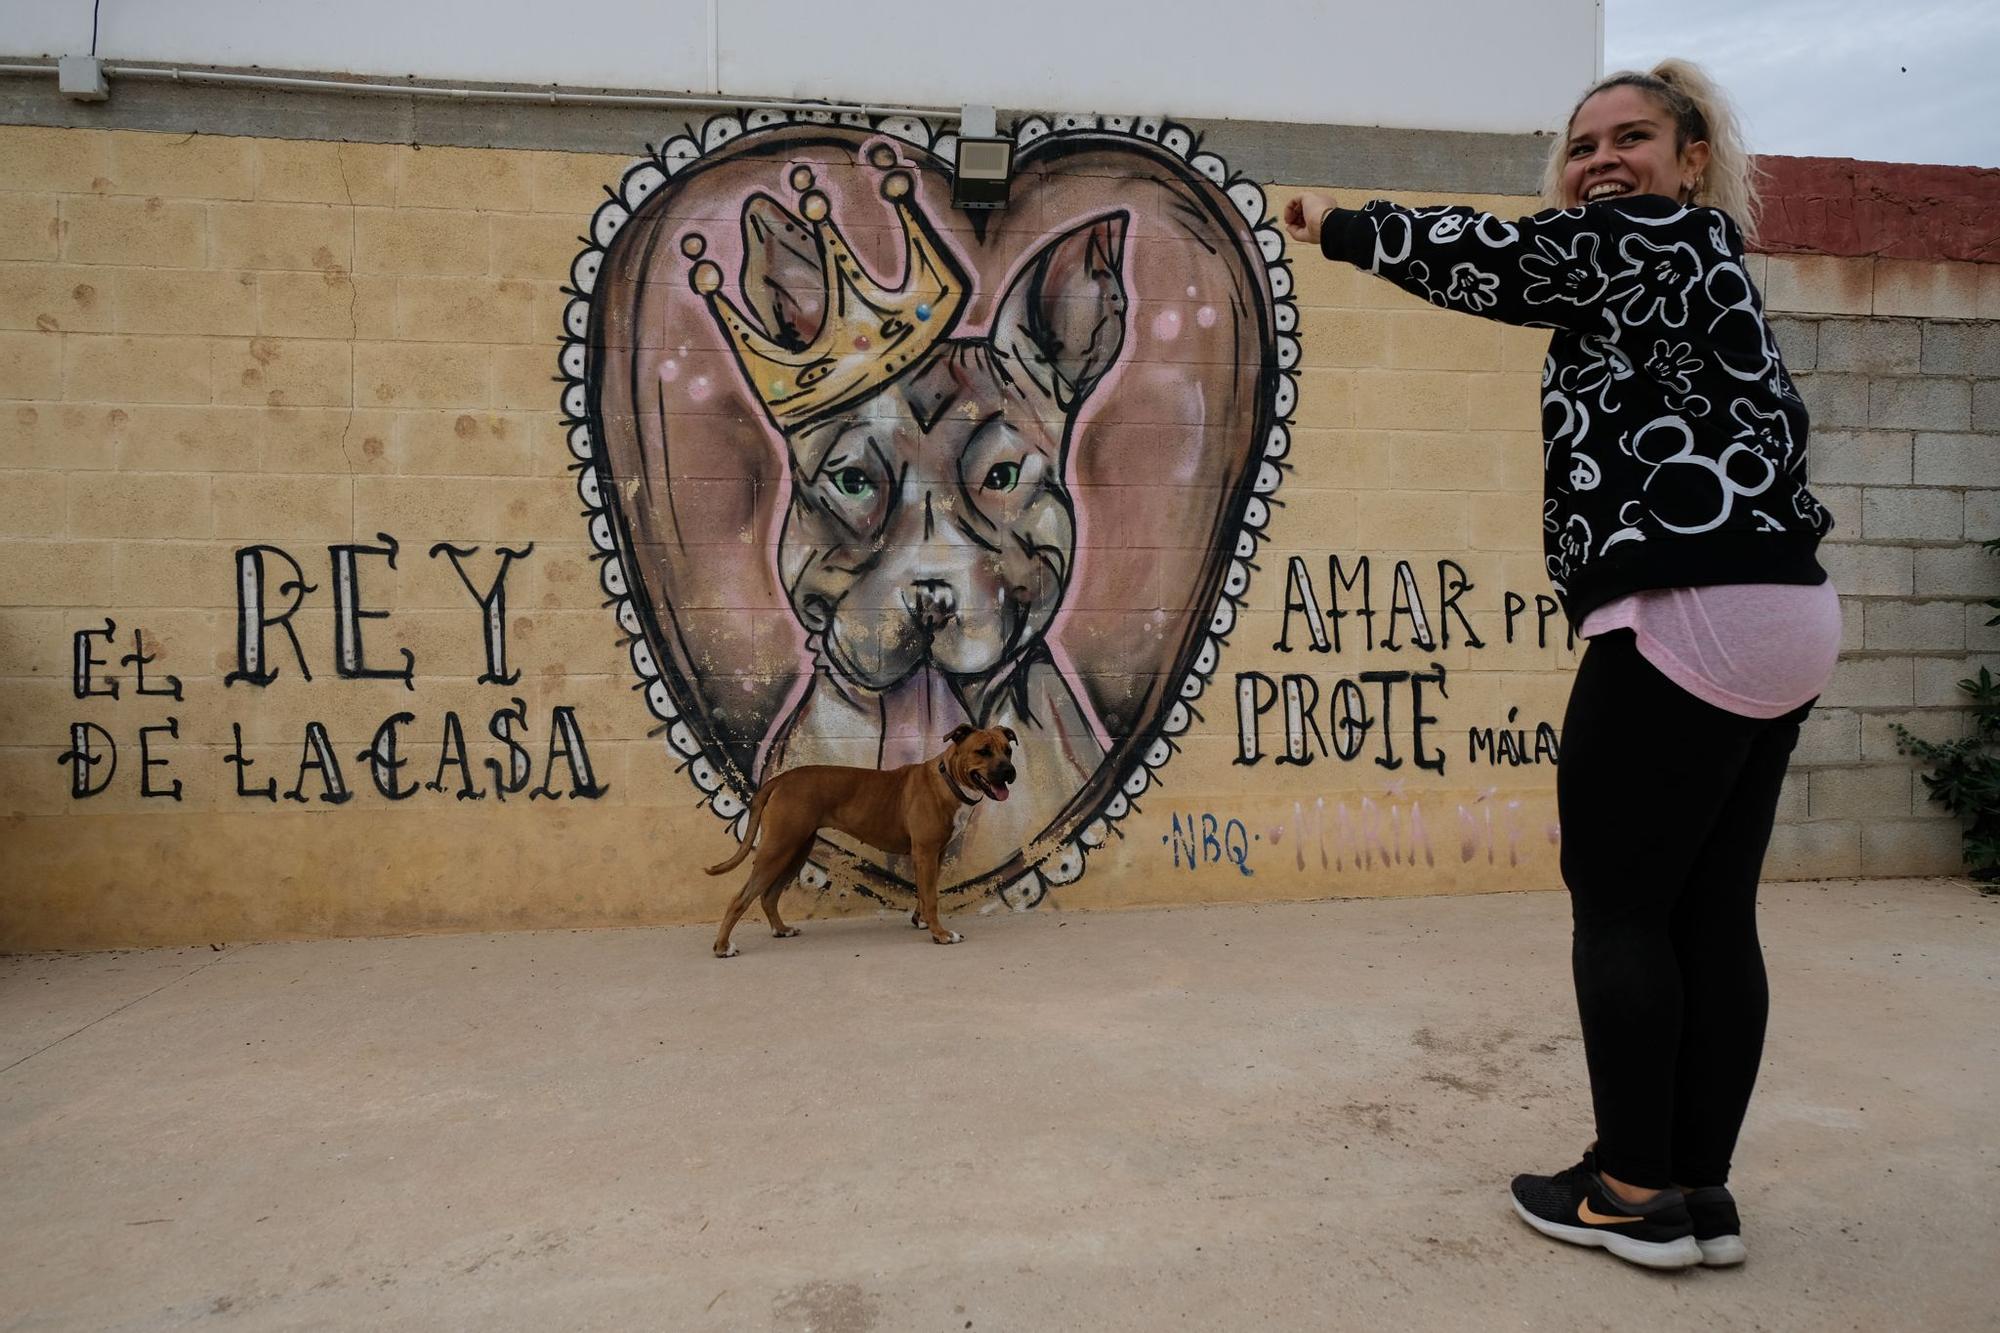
(1686, 77)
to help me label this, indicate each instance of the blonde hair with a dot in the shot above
(1700, 111)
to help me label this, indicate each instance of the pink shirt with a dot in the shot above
(1757, 649)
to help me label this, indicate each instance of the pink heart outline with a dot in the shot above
(669, 672)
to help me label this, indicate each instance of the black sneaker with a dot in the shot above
(1576, 1206)
(1717, 1229)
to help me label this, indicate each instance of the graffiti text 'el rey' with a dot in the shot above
(271, 589)
(1365, 713)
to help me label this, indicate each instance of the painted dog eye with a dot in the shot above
(1003, 477)
(852, 481)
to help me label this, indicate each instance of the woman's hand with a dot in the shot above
(1305, 213)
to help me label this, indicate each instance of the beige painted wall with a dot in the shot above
(208, 343)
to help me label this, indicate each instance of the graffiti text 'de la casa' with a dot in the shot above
(504, 757)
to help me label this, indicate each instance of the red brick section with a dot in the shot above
(1888, 210)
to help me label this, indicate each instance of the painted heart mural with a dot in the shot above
(859, 466)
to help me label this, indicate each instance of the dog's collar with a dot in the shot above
(956, 790)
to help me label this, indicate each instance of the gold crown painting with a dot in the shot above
(870, 333)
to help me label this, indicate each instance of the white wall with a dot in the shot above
(1506, 65)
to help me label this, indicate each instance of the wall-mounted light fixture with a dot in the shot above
(984, 164)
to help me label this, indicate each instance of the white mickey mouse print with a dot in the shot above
(1472, 289)
(1584, 473)
(1718, 234)
(1808, 507)
(1745, 349)
(1565, 420)
(1656, 285)
(1395, 236)
(1630, 515)
(1572, 547)
(1602, 369)
(1673, 366)
(1419, 281)
(1769, 433)
(1666, 410)
(1686, 491)
(1558, 274)
(1448, 229)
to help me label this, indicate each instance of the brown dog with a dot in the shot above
(912, 810)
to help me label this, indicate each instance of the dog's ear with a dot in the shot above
(1012, 739)
(784, 282)
(1063, 318)
(960, 732)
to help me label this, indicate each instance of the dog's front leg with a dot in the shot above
(927, 859)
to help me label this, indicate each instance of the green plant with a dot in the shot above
(1965, 773)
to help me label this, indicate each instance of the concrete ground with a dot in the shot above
(1296, 1116)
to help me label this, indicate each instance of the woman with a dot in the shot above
(1680, 536)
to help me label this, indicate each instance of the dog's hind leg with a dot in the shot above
(777, 891)
(765, 877)
(737, 907)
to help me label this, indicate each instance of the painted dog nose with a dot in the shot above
(931, 603)
(1005, 773)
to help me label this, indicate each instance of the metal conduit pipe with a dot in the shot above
(548, 97)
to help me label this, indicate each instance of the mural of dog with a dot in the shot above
(862, 467)
(931, 533)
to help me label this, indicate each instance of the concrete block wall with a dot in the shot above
(220, 342)
(1899, 363)
(209, 343)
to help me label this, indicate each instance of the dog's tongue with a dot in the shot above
(999, 790)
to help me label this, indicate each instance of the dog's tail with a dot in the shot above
(749, 833)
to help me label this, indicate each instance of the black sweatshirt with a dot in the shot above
(1675, 444)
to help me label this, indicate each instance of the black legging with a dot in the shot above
(1666, 804)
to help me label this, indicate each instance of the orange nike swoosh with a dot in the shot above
(1595, 1218)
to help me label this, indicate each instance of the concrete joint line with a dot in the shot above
(114, 1013)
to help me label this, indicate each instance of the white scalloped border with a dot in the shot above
(1066, 862)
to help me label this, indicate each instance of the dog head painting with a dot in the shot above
(882, 469)
(931, 532)
(931, 524)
